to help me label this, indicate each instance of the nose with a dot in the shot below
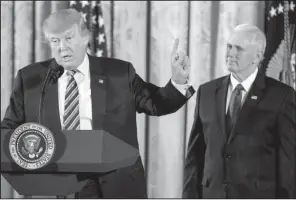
(232, 52)
(63, 45)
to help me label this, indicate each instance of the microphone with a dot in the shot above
(53, 74)
(57, 72)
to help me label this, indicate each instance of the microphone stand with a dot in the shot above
(53, 74)
(41, 100)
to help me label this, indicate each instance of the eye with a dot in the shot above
(54, 41)
(69, 39)
(229, 46)
(240, 48)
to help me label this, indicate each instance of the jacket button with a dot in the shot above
(225, 182)
(227, 157)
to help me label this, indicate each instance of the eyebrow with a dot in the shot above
(70, 32)
(66, 34)
(236, 46)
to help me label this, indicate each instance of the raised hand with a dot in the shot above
(180, 65)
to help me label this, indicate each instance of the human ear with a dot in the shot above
(258, 57)
(86, 39)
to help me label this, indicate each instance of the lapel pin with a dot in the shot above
(101, 81)
(254, 97)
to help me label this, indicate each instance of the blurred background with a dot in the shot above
(143, 32)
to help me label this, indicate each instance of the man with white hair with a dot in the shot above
(243, 139)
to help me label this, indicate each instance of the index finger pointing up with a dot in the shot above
(175, 47)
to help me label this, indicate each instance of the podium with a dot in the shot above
(78, 156)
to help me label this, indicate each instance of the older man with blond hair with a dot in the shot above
(243, 139)
(94, 93)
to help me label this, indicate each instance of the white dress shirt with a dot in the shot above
(247, 83)
(82, 77)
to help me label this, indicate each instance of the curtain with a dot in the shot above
(143, 33)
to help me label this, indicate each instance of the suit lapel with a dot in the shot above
(221, 95)
(252, 99)
(51, 117)
(98, 92)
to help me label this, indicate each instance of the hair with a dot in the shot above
(255, 35)
(64, 19)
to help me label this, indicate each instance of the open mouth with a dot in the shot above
(231, 61)
(66, 57)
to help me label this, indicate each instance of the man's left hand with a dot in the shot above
(180, 65)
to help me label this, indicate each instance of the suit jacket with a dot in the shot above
(257, 159)
(115, 104)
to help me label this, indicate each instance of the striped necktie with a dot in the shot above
(71, 113)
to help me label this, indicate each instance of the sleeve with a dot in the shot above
(286, 132)
(153, 100)
(194, 161)
(14, 115)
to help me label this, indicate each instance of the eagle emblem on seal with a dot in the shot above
(31, 146)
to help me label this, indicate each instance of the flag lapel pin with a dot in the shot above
(254, 97)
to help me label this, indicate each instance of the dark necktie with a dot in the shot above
(234, 107)
(71, 113)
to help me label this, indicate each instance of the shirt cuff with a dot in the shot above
(181, 87)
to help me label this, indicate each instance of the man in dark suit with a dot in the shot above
(95, 94)
(243, 139)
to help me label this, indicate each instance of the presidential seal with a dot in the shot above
(31, 146)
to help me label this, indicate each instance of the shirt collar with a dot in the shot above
(246, 83)
(84, 66)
